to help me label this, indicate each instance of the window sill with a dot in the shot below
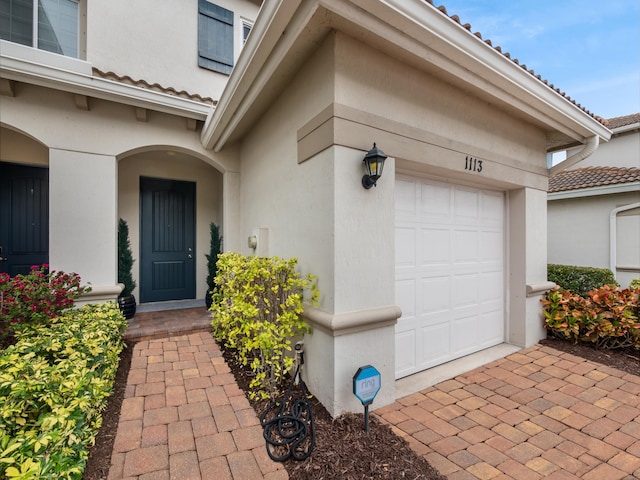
(42, 57)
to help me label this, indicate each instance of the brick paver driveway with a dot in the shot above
(536, 414)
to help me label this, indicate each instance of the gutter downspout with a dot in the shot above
(613, 216)
(589, 147)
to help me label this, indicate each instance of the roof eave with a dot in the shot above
(594, 191)
(417, 29)
(28, 65)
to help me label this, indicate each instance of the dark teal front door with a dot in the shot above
(24, 217)
(167, 243)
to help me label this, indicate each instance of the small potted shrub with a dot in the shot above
(126, 300)
(215, 246)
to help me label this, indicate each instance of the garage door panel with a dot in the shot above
(490, 287)
(435, 295)
(492, 209)
(464, 331)
(465, 246)
(405, 198)
(449, 272)
(405, 247)
(465, 291)
(466, 206)
(406, 349)
(435, 246)
(491, 246)
(435, 201)
(406, 297)
(491, 329)
(435, 339)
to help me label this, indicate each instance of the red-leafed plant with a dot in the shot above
(607, 317)
(34, 298)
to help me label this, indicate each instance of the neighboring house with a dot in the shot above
(594, 207)
(138, 119)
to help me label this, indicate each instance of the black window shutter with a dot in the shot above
(215, 37)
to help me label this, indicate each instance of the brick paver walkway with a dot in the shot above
(184, 417)
(537, 414)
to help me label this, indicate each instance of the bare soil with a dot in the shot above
(343, 450)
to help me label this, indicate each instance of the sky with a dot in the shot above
(589, 49)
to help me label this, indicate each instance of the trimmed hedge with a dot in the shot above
(580, 280)
(54, 384)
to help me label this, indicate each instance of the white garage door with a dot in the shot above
(449, 272)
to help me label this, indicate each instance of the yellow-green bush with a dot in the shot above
(256, 311)
(54, 384)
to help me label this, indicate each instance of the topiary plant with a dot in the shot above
(635, 284)
(215, 247)
(125, 259)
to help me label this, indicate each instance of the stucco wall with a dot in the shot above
(90, 188)
(153, 27)
(579, 232)
(18, 148)
(622, 150)
(314, 207)
(293, 202)
(439, 112)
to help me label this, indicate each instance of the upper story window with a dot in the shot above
(246, 30)
(215, 37)
(50, 25)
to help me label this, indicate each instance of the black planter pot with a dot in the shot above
(127, 306)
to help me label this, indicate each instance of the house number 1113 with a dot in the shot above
(472, 164)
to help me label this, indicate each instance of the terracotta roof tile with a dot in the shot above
(592, 177)
(155, 86)
(467, 26)
(623, 121)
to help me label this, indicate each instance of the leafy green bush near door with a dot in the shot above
(54, 384)
(257, 309)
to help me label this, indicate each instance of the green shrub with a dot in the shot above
(54, 384)
(635, 284)
(215, 246)
(580, 280)
(607, 317)
(125, 259)
(256, 311)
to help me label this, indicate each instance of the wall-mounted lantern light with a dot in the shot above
(373, 164)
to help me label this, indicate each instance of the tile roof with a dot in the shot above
(467, 26)
(617, 122)
(155, 86)
(587, 177)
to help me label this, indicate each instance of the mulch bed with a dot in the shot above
(343, 450)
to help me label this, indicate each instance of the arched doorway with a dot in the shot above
(24, 203)
(169, 197)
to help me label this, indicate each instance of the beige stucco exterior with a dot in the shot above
(280, 157)
(600, 226)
